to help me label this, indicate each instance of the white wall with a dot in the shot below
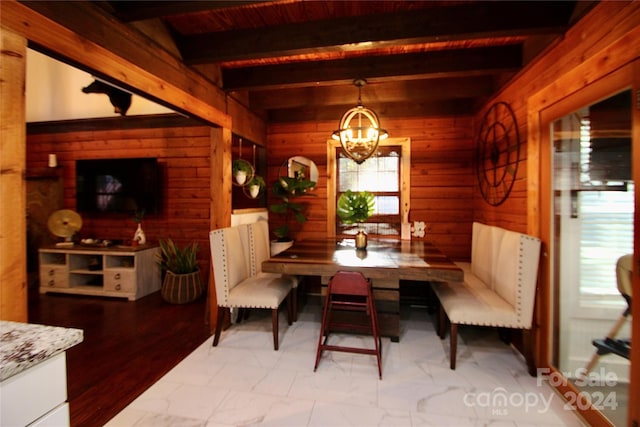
(54, 92)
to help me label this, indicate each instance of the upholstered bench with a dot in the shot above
(499, 284)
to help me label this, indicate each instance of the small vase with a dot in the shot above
(361, 240)
(139, 236)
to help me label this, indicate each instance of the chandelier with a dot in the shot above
(359, 131)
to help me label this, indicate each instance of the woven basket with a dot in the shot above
(182, 288)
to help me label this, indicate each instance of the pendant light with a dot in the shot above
(359, 131)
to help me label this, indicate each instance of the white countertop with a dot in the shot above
(23, 345)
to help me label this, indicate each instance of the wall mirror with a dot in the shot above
(297, 166)
(592, 227)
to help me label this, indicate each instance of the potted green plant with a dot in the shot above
(356, 207)
(288, 190)
(242, 171)
(255, 186)
(182, 282)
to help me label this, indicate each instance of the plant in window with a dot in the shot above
(288, 190)
(356, 207)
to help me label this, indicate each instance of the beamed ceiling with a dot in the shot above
(295, 60)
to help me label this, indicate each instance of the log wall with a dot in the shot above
(604, 40)
(442, 176)
(183, 154)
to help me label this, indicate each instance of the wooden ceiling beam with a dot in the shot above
(450, 107)
(75, 33)
(129, 11)
(461, 22)
(459, 62)
(399, 91)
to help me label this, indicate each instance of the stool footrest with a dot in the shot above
(348, 349)
(350, 326)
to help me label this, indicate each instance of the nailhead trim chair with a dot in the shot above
(236, 287)
(256, 243)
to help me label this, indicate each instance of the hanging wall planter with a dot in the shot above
(242, 172)
(254, 187)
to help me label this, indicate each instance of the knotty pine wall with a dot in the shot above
(442, 174)
(183, 156)
(444, 192)
(603, 41)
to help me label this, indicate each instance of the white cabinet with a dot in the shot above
(130, 272)
(33, 374)
(36, 396)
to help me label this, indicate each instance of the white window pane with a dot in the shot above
(607, 234)
(386, 205)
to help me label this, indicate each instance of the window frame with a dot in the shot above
(405, 180)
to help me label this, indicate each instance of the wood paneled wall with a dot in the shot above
(606, 39)
(183, 154)
(603, 42)
(13, 224)
(442, 177)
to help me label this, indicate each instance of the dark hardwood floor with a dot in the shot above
(128, 345)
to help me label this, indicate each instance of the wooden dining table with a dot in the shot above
(385, 261)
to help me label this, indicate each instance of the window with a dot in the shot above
(606, 234)
(379, 175)
(385, 175)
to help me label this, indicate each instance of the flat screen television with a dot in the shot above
(118, 185)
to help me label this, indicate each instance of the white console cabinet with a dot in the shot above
(127, 272)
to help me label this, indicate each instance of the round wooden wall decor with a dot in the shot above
(498, 153)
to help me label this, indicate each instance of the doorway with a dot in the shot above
(593, 227)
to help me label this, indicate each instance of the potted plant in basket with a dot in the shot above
(288, 190)
(182, 282)
(356, 207)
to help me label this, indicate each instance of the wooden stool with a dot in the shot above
(349, 291)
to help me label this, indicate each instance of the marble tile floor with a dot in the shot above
(244, 382)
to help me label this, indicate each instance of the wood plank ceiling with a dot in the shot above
(296, 60)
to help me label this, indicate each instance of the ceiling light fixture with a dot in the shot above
(359, 132)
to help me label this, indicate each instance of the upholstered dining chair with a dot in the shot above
(236, 287)
(349, 291)
(256, 242)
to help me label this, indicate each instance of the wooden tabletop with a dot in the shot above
(383, 259)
